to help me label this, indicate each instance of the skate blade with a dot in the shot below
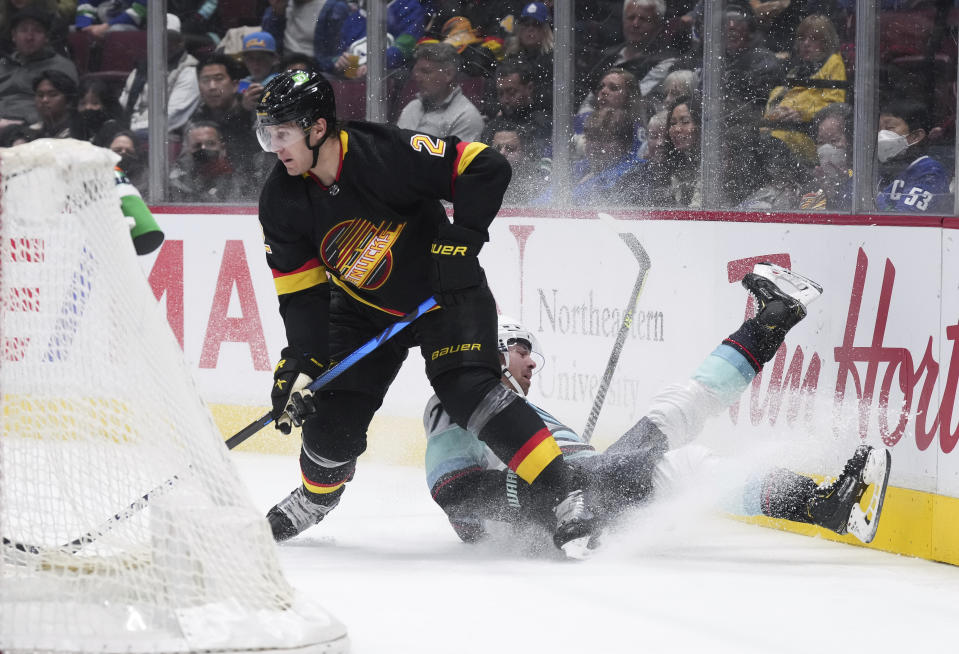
(864, 524)
(793, 284)
(578, 549)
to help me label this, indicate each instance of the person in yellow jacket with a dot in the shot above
(816, 78)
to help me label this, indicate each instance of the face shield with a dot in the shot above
(274, 138)
(516, 338)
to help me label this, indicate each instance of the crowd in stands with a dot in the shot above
(483, 70)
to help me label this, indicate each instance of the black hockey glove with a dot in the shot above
(455, 267)
(292, 400)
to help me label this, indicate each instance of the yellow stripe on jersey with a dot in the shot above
(352, 294)
(301, 279)
(467, 153)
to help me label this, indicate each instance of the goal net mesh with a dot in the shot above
(125, 526)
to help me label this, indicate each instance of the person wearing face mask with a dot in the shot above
(133, 164)
(831, 185)
(202, 172)
(910, 181)
(98, 109)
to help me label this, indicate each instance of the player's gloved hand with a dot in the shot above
(456, 268)
(292, 400)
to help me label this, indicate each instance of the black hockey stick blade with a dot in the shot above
(642, 258)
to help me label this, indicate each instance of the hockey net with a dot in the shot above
(125, 526)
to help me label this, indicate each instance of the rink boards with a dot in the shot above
(875, 360)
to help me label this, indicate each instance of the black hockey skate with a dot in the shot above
(835, 505)
(782, 295)
(296, 514)
(574, 526)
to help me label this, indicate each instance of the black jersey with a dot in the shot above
(371, 230)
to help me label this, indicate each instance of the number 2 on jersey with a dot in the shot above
(436, 147)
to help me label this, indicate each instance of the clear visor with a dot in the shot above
(274, 138)
(527, 348)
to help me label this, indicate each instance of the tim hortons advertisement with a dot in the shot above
(875, 359)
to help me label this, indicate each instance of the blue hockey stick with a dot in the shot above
(339, 368)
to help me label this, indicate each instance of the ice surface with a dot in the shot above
(387, 564)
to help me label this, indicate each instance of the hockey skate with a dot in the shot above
(782, 295)
(574, 527)
(295, 514)
(835, 505)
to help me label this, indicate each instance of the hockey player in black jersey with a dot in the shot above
(658, 454)
(356, 235)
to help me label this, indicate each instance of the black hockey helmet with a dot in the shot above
(296, 96)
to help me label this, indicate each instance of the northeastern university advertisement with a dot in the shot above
(876, 359)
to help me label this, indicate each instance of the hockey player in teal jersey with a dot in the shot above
(656, 454)
(356, 235)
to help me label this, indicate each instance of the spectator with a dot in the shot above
(61, 13)
(199, 23)
(784, 178)
(98, 108)
(911, 181)
(183, 93)
(440, 107)
(218, 77)
(15, 134)
(532, 44)
(404, 26)
(202, 172)
(779, 18)
(516, 100)
(299, 61)
(530, 169)
(816, 78)
(478, 56)
(750, 70)
(679, 182)
(56, 98)
(124, 143)
(259, 57)
(679, 83)
(309, 27)
(646, 51)
(656, 137)
(97, 17)
(610, 174)
(32, 55)
(831, 184)
(618, 89)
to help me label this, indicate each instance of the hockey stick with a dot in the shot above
(141, 502)
(339, 368)
(644, 264)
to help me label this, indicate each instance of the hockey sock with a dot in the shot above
(324, 484)
(786, 495)
(756, 342)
